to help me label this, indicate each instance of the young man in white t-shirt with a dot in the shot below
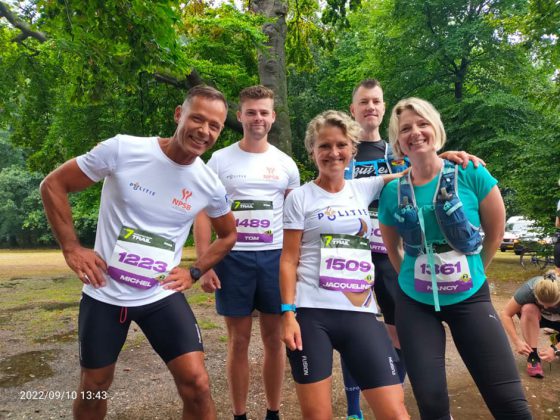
(152, 190)
(257, 177)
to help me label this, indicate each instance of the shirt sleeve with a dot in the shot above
(388, 203)
(294, 217)
(293, 175)
(524, 294)
(375, 186)
(479, 180)
(213, 163)
(100, 161)
(219, 203)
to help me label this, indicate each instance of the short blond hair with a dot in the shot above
(423, 108)
(547, 289)
(349, 127)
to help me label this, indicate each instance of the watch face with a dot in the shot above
(195, 273)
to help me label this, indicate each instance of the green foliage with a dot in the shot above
(20, 199)
(222, 44)
(465, 57)
(104, 44)
(8, 154)
(490, 67)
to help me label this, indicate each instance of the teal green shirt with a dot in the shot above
(473, 186)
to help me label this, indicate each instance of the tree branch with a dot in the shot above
(24, 27)
(193, 79)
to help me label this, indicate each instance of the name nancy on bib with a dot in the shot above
(141, 259)
(452, 272)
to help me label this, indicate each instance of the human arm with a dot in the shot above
(548, 355)
(557, 223)
(180, 279)
(54, 189)
(209, 281)
(389, 177)
(289, 260)
(506, 315)
(393, 243)
(462, 158)
(493, 219)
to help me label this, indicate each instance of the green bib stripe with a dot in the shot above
(344, 241)
(239, 205)
(138, 236)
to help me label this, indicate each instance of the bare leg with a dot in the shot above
(90, 403)
(239, 337)
(387, 402)
(315, 400)
(392, 330)
(274, 359)
(193, 386)
(530, 324)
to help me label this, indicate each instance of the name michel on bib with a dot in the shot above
(141, 259)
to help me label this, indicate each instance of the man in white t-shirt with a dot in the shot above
(152, 190)
(257, 177)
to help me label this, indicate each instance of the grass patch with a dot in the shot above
(207, 325)
(200, 298)
(37, 292)
(505, 267)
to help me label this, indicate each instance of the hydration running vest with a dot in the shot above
(393, 165)
(458, 232)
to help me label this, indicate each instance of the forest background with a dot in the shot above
(75, 72)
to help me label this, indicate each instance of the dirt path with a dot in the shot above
(39, 366)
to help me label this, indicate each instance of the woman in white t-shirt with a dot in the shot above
(327, 273)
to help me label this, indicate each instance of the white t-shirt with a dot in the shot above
(316, 211)
(146, 191)
(256, 184)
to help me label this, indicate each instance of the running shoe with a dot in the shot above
(534, 369)
(356, 417)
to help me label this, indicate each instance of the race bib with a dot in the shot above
(375, 241)
(141, 259)
(253, 220)
(345, 263)
(452, 273)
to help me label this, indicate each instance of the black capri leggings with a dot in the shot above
(482, 344)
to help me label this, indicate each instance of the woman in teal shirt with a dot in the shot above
(462, 298)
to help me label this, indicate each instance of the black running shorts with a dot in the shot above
(169, 325)
(359, 337)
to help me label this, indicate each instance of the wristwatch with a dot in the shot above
(556, 351)
(287, 307)
(195, 273)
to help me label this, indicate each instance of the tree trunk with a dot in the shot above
(272, 68)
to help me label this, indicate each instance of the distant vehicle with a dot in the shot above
(523, 235)
(508, 241)
(515, 227)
